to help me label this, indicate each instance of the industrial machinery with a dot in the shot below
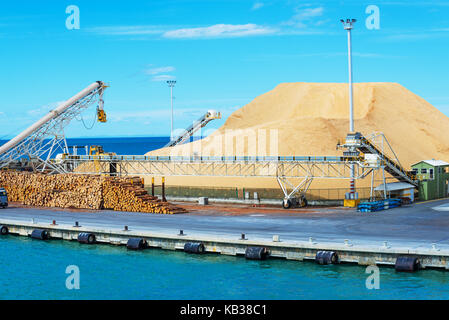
(43, 139)
(3, 198)
(197, 125)
(299, 201)
(99, 151)
(373, 154)
(377, 153)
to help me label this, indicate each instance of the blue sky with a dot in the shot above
(223, 54)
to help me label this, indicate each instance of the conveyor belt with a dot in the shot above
(190, 131)
(365, 146)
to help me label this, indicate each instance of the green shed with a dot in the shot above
(433, 176)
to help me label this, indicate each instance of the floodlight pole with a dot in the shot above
(348, 25)
(171, 84)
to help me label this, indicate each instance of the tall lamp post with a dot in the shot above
(171, 84)
(348, 25)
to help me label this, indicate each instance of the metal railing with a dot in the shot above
(305, 159)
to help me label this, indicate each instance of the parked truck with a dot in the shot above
(3, 198)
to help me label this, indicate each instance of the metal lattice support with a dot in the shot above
(40, 142)
(298, 191)
(285, 169)
(302, 167)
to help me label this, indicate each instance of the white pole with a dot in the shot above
(171, 84)
(171, 97)
(351, 106)
(348, 25)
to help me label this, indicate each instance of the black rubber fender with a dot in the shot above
(194, 247)
(86, 238)
(136, 244)
(326, 257)
(256, 253)
(407, 264)
(4, 230)
(40, 234)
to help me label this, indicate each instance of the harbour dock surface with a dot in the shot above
(421, 230)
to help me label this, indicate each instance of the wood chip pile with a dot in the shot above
(82, 192)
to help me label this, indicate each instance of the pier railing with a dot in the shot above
(212, 158)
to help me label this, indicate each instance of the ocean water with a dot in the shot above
(121, 146)
(33, 269)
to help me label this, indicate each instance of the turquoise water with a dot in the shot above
(32, 269)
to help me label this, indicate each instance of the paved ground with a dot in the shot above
(418, 225)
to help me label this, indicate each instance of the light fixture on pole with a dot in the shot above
(348, 25)
(171, 84)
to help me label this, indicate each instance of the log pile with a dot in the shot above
(82, 192)
(129, 194)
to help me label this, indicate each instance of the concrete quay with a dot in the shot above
(301, 235)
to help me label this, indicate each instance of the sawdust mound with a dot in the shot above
(310, 118)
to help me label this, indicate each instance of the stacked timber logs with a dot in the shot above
(63, 191)
(128, 194)
(82, 192)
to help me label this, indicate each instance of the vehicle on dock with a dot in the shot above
(296, 202)
(3, 198)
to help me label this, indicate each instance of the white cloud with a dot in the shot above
(157, 75)
(213, 31)
(219, 31)
(304, 16)
(154, 71)
(257, 5)
(310, 13)
(163, 77)
(128, 30)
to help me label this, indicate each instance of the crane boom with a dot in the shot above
(35, 141)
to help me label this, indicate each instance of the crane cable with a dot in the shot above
(93, 123)
(82, 119)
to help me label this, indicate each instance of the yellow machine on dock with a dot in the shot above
(97, 151)
(351, 203)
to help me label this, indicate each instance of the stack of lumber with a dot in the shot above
(82, 192)
(62, 191)
(129, 194)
